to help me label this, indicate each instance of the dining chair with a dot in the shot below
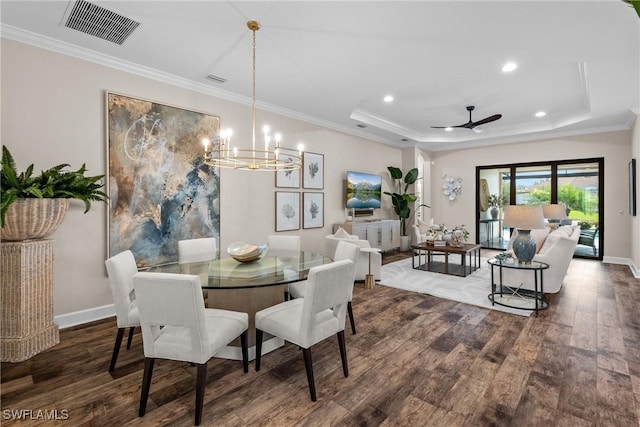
(309, 320)
(177, 326)
(120, 269)
(283, 246)
(344, 250)
(197, 250)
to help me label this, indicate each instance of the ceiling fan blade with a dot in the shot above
(487, 120)
(439, 127)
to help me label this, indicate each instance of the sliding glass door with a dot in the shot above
(578, 184)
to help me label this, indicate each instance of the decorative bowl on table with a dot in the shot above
(244, 252)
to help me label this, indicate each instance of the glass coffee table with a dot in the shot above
(512, 295)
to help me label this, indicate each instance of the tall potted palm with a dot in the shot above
(402, 200)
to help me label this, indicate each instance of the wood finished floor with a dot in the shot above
(416, 361)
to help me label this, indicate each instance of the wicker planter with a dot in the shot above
(32, 219)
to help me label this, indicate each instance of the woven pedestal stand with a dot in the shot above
(26, 295)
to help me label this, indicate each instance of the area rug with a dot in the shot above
(473, 289)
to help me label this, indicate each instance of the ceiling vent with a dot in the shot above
(100, 22)
(216, 79)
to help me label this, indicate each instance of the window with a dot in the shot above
(578, 184)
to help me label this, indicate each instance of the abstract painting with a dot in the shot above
(287, 211)
(160, 190)
(313, 171)
(313, 204)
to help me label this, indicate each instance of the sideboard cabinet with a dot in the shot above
(383, 234)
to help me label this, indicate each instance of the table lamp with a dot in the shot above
(554, 214)
(525, 218)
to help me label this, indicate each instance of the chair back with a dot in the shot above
(283, 246)
(121, 268)
(347, 250)
(330, 288)
(197, 250)
(175, 303)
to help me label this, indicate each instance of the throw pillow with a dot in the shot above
(341, 234)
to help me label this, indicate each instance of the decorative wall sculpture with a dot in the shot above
(451, 187)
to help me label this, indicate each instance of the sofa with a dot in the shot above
(362, 265)
(554, 247)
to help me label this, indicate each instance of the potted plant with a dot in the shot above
(402, 200)
(33, 206)
(495, 203)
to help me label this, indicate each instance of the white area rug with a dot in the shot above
(472, 289)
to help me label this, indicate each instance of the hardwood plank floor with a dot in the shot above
(416, 360)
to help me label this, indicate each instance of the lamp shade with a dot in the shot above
(555, 211)
(523, 217)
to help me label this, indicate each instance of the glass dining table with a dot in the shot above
(248, 287)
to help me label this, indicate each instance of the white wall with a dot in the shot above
(53, 111)
(635, 221)
(615, 147)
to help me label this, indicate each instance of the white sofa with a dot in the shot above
(554, 247)
(362, 266)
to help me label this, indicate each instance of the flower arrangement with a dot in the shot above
(461, 232)
(496, 200)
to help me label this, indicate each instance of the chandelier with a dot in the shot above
(271, 158)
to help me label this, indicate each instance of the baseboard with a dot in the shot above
(84, 316)
(623, 261)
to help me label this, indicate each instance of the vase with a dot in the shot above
(494, 212)
(456, 241)
(33, 218)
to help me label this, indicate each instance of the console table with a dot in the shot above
(383, 233)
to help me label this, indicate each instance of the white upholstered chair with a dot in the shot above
(283, 246)
(197, 250)
(362, 265)
(120, 269)
(344, 250)
(176, 326)
(309, 320)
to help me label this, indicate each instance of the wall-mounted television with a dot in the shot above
(364, 190)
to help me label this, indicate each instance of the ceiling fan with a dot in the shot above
(471, 124)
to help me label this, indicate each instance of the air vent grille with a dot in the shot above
(216, 79)
(100, 22)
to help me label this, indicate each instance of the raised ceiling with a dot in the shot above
(332, 62)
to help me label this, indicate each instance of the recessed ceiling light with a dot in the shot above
(509, 67)
(388, 98)
(448, 128)
(360, 125)
(404, 140)
(541, 114)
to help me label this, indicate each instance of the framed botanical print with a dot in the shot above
(313, 171)
(288, 179)
(313, 205)
(287, 210)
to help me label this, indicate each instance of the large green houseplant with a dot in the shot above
(401, 199)
(50, 191)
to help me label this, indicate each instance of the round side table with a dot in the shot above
(369, 280)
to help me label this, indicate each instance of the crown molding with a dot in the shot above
(64, 48)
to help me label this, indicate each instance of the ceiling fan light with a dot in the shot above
(388, 98)
(541, 114)
(477, 129)
(448, 128)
